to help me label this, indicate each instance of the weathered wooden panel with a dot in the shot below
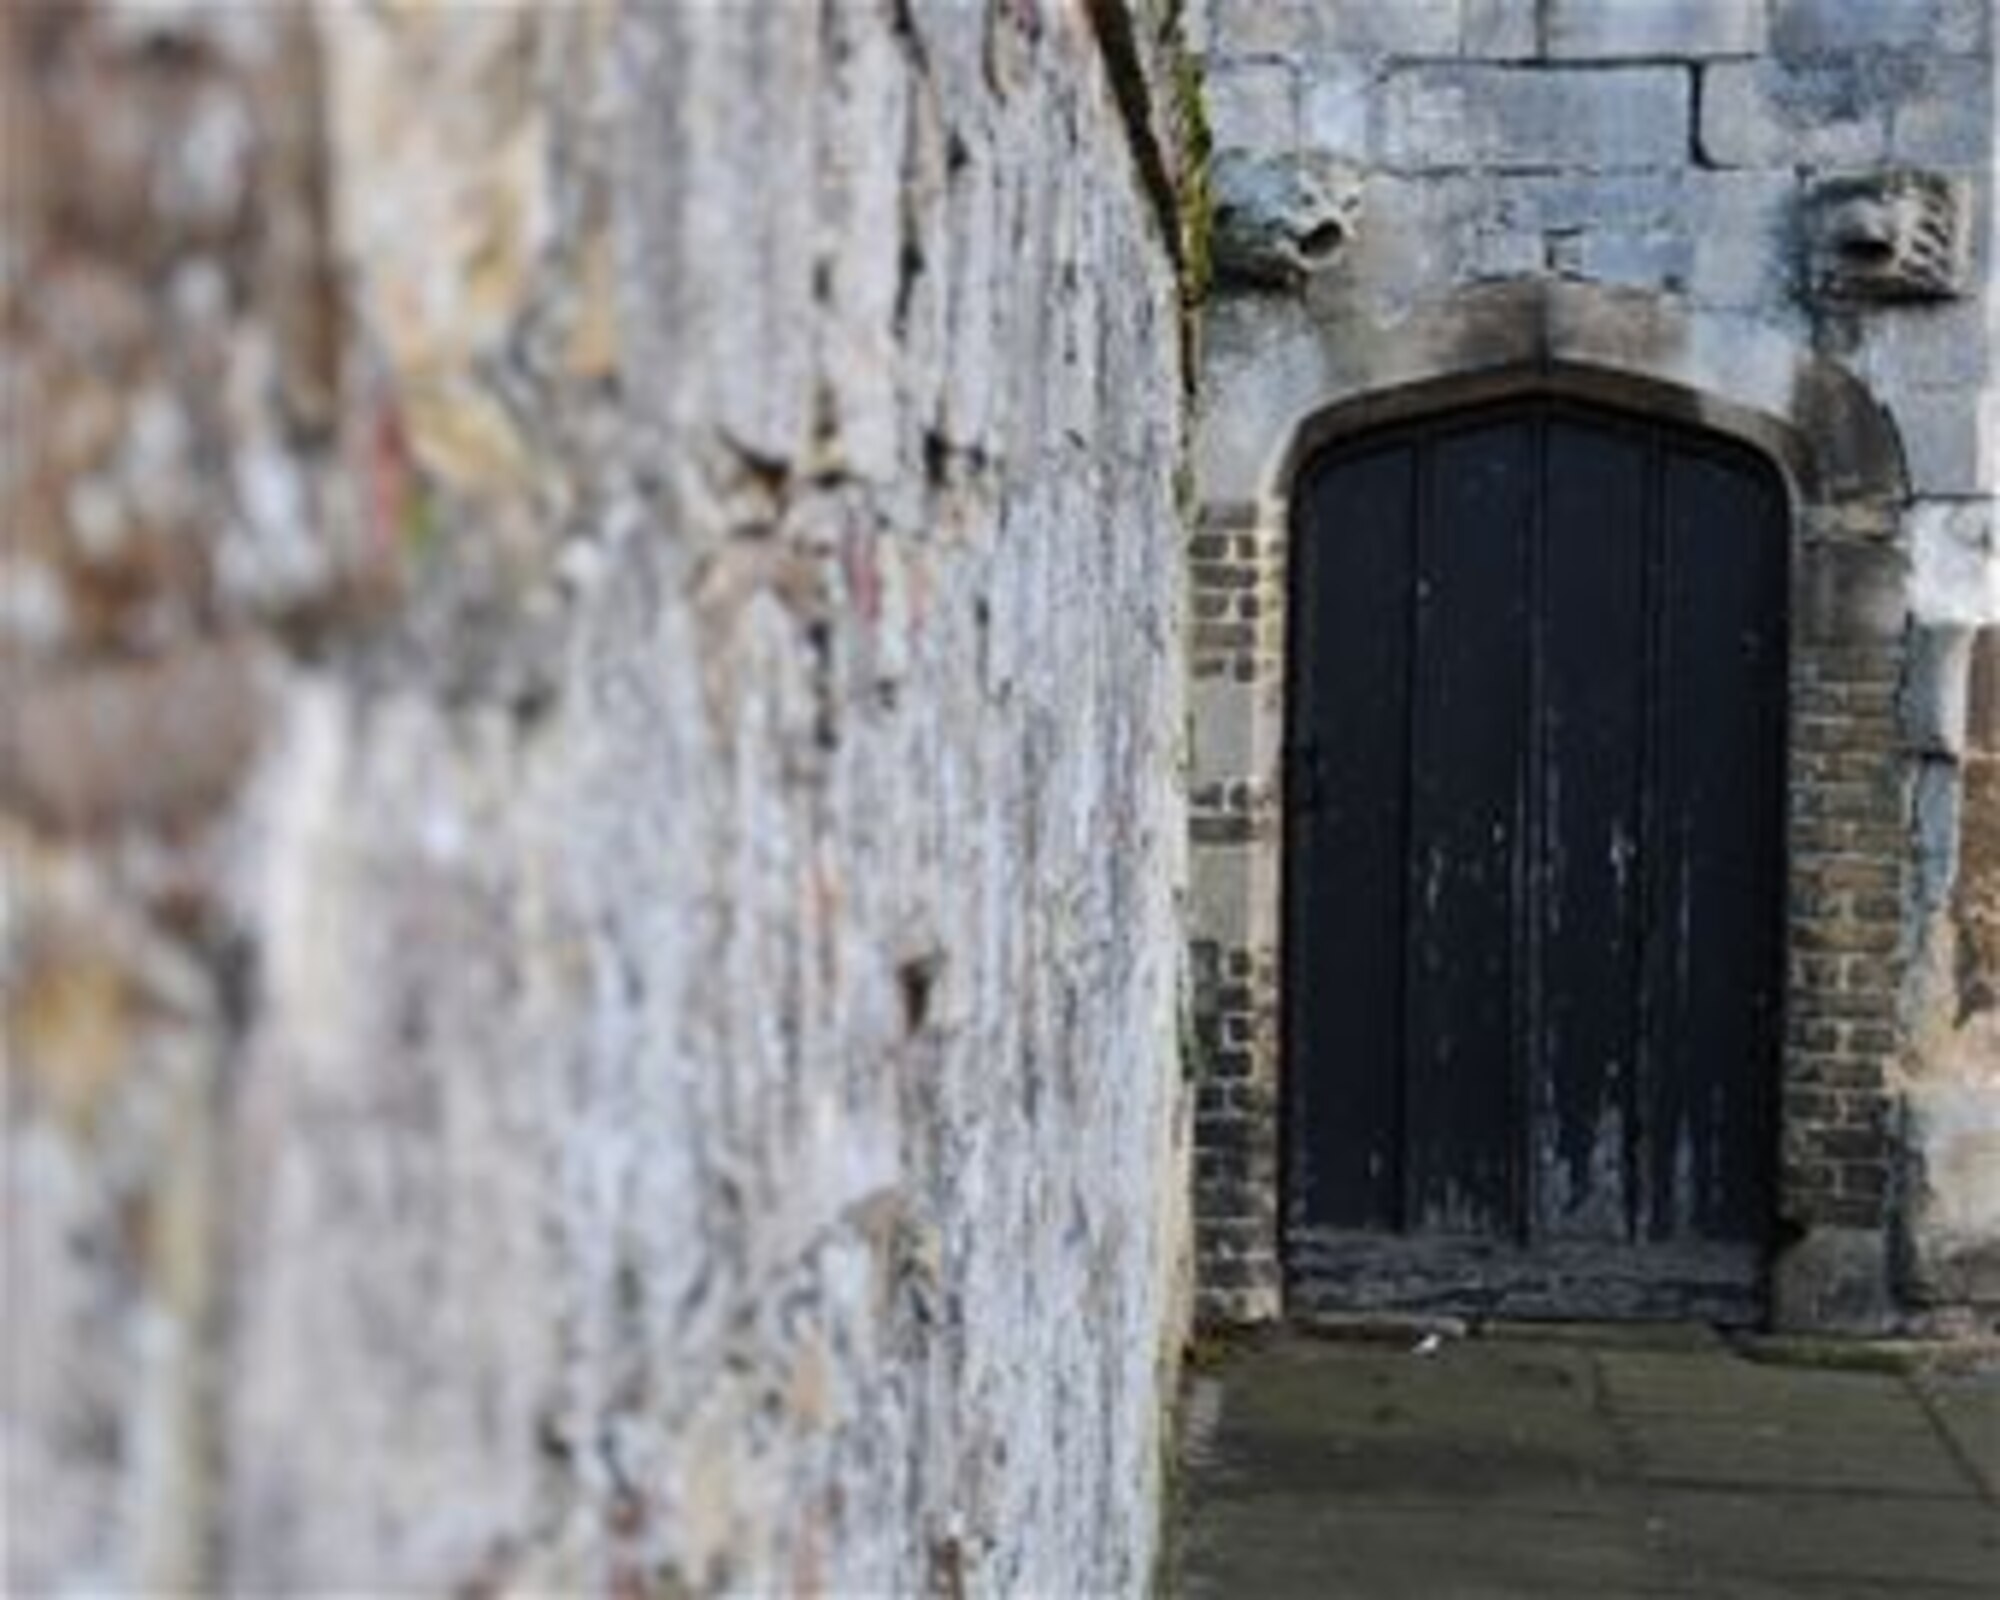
(1592, 705)
(1719, 849)
(1534, 945)
(1468, 758)
(1346, 907)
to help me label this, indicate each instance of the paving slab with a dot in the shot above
(1735, 1536)
(1545, 1463)
(1967, 1409)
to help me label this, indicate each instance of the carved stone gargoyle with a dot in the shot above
(1279, 219)
(1887, 236)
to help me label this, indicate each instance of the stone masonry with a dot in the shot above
(1772, 217)
(590, 797)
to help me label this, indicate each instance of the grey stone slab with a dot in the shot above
(1968, 1409)
(1937, 346)
(1821, 1539)
(1658, 1384)
(1759, 114)
(1932, 700)
(1369, 1470)
(1406, 27)
(1475, 115)
(1681, 1338)
(1334, 108)
(1300, 1543)
(1952, 571)
(1497, 30)
(1254, 104)
(1797, 1449)
(1385, 1420)
(1609, 29)
(1946, 116)
(1741, 224)
(1947, 440)
(1804, 28)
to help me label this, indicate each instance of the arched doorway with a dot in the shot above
(1534, 867)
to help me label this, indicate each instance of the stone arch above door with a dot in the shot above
(1279, 382)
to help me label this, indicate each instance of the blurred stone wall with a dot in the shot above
(589, 787)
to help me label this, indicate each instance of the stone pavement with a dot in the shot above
(1602, 1463)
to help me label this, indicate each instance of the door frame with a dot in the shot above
(1834, 446)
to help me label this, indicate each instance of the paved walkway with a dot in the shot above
(1641, 1463)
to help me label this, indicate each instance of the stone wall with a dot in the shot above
(590, 797)
(1658, 205)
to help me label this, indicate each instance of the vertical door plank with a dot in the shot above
(1468, 749)
(1354, 547)
(1592, 681)
(1720, 797)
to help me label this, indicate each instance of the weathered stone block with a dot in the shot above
(1607, 29)
(1954, 1227)
(1834, 1278)
(1659, 258)
(1741, 224)
(1982, 718)
(1955, 564)
(1945, 117)
(1849, 592)
(1334, 111)
(1437, 117)
(1936, 681)
(1948, 440)
(1919, 346)
(1408, 27)
(1804, 28)
(1497, 30)
(1254, 104)
(1755, 114)
(143, 744)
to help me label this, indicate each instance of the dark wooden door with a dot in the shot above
(1535, 838)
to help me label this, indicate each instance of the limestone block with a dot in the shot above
(1937, 679)
(1756, 114)
(1741, 226)
(1833, 1279)
(1660, 258)
(1805, 28)
(1955, 1135)
(1408, 27)
(1948, 440)
(1254, 104)
(1925, 346)
(1982, 715)
(1334, 110)
(1233, 894)
(1436, 117)
(1955, 562)
(1224, 719)
(1497, 30)
(1946, 117)
(1851, 592)
(152, 743)
(1607, 29)
(1419, 236)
